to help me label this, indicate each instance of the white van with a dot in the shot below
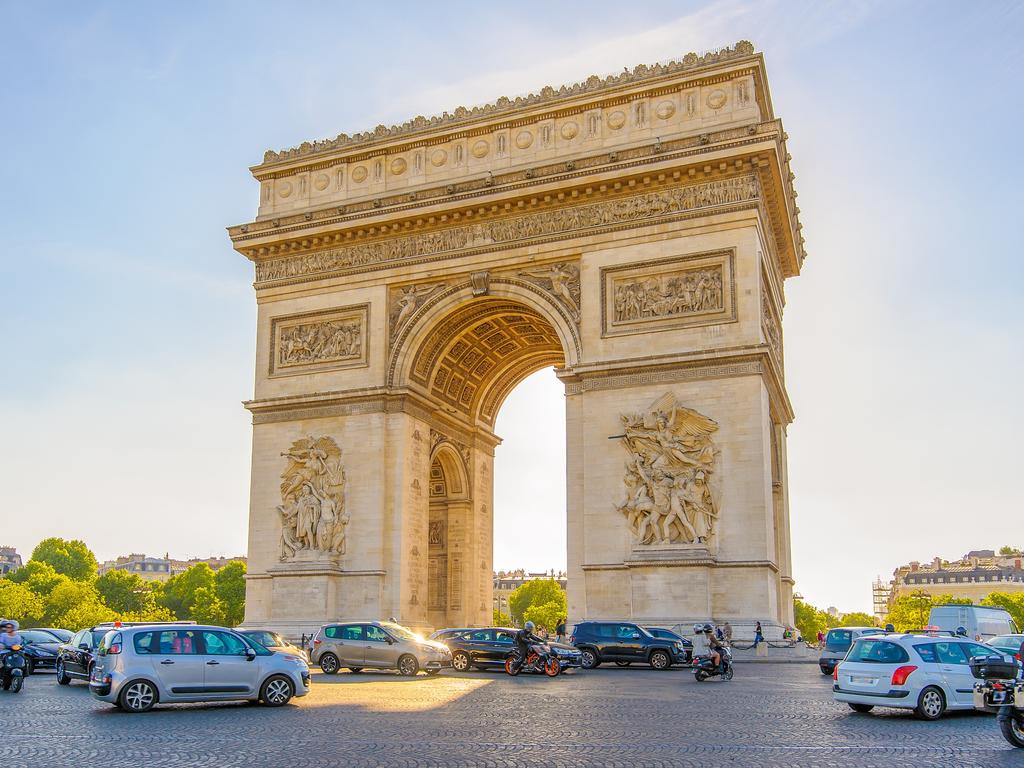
(979, 620)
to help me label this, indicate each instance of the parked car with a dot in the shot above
(488, 647)
(928, 673)
(62, 635)
(76, 658)
(838, 642)
(41, 649)
(620, 641)
(376, 645)
(274, 641)
(982, 621)
(1010, 644)
(140, 666)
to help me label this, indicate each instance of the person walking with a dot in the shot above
(758, 635)
(821, 639)
(727, 633)
(560, 630)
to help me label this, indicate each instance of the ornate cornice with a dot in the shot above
(462, 116)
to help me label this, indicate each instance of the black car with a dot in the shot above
(62, 635)
(488, 647)
(76, 657)
(41, 649)
(621, 641)
(668, 634)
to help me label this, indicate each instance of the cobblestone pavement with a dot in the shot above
(769, 715)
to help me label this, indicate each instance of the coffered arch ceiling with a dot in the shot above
(477, 354)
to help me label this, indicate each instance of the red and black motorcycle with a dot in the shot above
(540, 658)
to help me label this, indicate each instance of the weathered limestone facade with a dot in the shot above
(634, 232)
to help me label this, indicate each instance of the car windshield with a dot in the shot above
(263, 638)
(62, 635)
(401, 632)
(31, 636)
(877, 652)
(1007, 641)
(838, 639)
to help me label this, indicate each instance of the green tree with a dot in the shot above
(37, 576)
(1012, 603)
(71, 558)
(809, 620)
(1006, 551)
(912, 611)
(19, 603)
(537, 592)
(500, 619)
(207, 608)
(126, 592)
(179, 592)
(229, 582)
(75, 604)
(547, 615)
(858, 619)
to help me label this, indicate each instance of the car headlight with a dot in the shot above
(679, 646)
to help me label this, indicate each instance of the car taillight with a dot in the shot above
(316, 642)
(899, 677)
(835, 673)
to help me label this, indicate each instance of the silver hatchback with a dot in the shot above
(138, 667)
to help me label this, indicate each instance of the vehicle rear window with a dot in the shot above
(877, 652)
(838, 639)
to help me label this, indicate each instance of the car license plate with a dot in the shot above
(997, 696)
(862, 680)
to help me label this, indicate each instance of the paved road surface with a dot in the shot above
(769, 715)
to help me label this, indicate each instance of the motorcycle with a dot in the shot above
(1001, 691)
(704, 666)
(540, 658)
(12, 669)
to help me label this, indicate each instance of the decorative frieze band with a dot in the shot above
(647, 208)
(670, 376)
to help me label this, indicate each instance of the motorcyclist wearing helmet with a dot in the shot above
(714, 645)
(525, 638)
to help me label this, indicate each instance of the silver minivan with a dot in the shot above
(137, 667)
(376, 645)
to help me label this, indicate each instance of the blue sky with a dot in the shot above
(128, 320)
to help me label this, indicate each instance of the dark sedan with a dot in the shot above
(41, 649)
(668, 634)
(76, 657)
(488, 647)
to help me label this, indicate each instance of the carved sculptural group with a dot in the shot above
(679, 293)
(321, 341)
(313, 515)
(670, 474)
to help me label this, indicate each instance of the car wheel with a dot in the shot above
(460, 661)
(355, 670)
(62, 675)
(660, 660)
(862, 708)
(138, 696)
(588, 658)
(623, 663)
(277, 691)
(329, 664)
(408, 666)
(1013, 730)
(930, 704)
(825, 671)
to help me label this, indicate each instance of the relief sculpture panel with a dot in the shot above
(668, 293)
(312, 509)
(315, 341)
(671, 482)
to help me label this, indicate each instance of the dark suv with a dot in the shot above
(625, 643)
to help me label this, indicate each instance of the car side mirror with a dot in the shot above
(250, 654)
(83, 646)
(390, 639)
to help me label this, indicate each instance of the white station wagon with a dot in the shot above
(926, 673)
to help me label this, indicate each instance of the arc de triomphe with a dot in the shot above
(633, 231)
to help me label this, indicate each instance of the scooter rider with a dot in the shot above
(10, 637)
(525, 638)
(714, 645)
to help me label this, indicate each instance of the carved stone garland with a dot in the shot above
(312, 509)
(670, 475)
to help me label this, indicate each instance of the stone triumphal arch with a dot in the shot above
(633, 231)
